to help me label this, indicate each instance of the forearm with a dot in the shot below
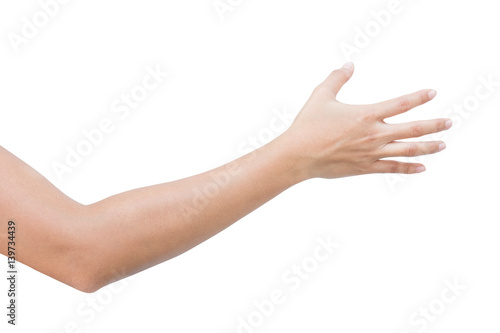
(137, 229)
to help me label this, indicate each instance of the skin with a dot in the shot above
(90, 246)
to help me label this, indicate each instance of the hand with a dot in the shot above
(332, 139)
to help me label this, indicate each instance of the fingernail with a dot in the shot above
(432, 94)
(447, 124)
(441, 146)
(420, 169)
(348, 65)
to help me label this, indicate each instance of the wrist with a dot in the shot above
(286, 156)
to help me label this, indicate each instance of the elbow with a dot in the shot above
(89, 272)
(80, 267)
(86, 256)
(84, 277)
(85, 283)
(91, 278)
(92, 269)
(87, 287)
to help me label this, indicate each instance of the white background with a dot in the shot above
(400, 238)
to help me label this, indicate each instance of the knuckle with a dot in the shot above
(417, 130)
(424, 97)
(322, 90)
(434, 147)
(372, 137)
(404, 103)
(400, 167)
(319, 93)
(441, 125)
(394, 167)
(369, 115)
(363, 168)
(406, 168)
(365, 116)
(412, 150)
(340, 73)
(319, 89)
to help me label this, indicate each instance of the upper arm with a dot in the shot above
(47, 221)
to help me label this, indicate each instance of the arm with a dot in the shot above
(89, 246)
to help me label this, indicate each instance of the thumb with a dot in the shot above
(336, 80)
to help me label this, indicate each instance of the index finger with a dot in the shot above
(403, 103)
